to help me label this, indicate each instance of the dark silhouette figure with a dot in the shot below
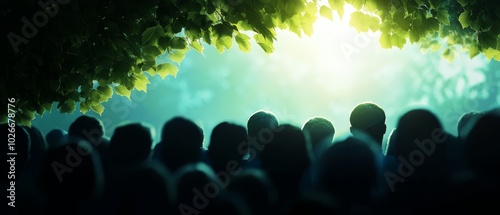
(71, 177)
(419, 182)
(349, 172)
(321, 132)
(131, 144)
(482, 146)
(55, 137)
(225, 143)
(181, 143)
(90, 129)
(145, 189)
(466, 122)
(285, 159)
(480, 192)
(259, 125)
(256, 189)
(38, 148)
(369, 118)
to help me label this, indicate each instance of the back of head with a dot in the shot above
(420, 140)
(261, 120)
(320, 130)
(17, 141)
(348, 170)
(225, 140)
(71, 172)
(286, 156)
(193, 180)
(131, 143)
(146, 189)
(482, 146)
(255, 188)
(55, 136)
(369, 118)
(38, 143)
(181, 141)
(88, 128)
(466, 122)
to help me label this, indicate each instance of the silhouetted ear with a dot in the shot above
(385, 128)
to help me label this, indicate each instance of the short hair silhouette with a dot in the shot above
(225, 140)
(55, 136)
(145, 189)
(131, 143)
(71, 173)
(320, 130)
(261, 120)
(181, 142)
(90, 129)
(192, 180)
(285, 159)
(368, 117)
(482, 146)
(416, 131)
(466, 122)
(349, 170)
(256, 189)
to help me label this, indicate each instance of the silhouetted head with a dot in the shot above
(71, 172)
(88, 128)
(192, 180)
(146, 189)
(420, 140)
(349, 170)
(321, 132)
(258, 125)
(131, 143)
(286, 157)
(368, 117)
(226, 145)
(38, 145)
(20, 143)
(482, 146)
(181, 141)
(255, 188)
(466, 122)
(55, 137)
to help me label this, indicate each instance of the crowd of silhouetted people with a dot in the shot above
(264, 167)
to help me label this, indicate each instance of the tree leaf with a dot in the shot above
(98, 109)
(105, 91)
(141, 82)
(123, 91)
(464, 19)
(443, 17)
(68, 106)
(473, 49)
(487, 39)
(176, 56)
(385, 41)
(326, 12)
(167, 69)
(197, 46)
(243, 41)
(150, 35)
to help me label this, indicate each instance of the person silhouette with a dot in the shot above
(259, 125)
(369, 118)
(131, 143)
(285, 159)
(224, 142)
(321, 132)
(181, 143)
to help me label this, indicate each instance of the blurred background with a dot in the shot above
(326, 75)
